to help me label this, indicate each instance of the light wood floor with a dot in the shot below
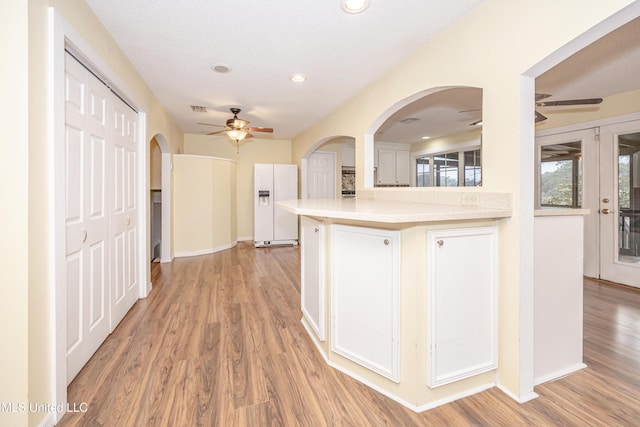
(219, 343)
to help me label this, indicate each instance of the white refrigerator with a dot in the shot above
(272, 225)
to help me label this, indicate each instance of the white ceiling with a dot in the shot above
(172, 44)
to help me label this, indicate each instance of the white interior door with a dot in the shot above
(321, 170)
(86, 214)
(619, 203)
(124, 211)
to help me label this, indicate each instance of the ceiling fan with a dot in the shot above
(236, 128)
(540, 103)
(567, 102)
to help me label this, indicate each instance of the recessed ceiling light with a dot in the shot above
(220, 68)
(298, 78)
(426, 137)
(354, 6)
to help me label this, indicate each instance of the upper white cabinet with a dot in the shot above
(393, 165)
(365, 288)
(461, 303)
(312, 287)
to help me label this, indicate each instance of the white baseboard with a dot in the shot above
(558, 374)
(244, 239)
(48, 421)
(205, 251)
(520, 399)
(415, 408)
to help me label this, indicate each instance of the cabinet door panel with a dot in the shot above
(461, 303)
(312, 289)
(365, 297)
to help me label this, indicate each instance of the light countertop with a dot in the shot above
(561, 212)
(389, 211)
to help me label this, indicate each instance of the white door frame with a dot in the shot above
(61, 36)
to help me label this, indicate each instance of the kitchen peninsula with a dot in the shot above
(400, 290)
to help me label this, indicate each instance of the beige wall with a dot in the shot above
(491, 47)
(204, 215)
(155, 166)
(458, 138)
(25, 315)
(14, 191)
(255, 150)
(612, 106)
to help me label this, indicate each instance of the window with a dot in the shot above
(422, 172)
(450, 168)
(445, 170)
(472, 169)
(561, 175)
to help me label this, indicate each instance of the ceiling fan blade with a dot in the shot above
(541, 96)
(216, 132)
(209, 124)
(248, 136)
(258, 129)
(586, 101)
(540, 117)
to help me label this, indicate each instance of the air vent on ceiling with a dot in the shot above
(199, 108)
(409, 120)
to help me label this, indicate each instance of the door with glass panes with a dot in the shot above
(597, 169)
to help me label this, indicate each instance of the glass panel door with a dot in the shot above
(620, 203)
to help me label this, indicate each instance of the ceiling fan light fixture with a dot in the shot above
(354, 6)
(236, 134)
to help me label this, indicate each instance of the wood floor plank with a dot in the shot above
(219, 342)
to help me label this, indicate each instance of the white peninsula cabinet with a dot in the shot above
(402, 295)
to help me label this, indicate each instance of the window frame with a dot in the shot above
(460, 148)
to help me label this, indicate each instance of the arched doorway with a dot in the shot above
(160, 199)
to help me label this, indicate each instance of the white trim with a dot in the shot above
(520, 399)
(165, 249)
(245, 239)
(526, 260)
(205, 251)
(48, 421)
(61, 36)
(559, 374)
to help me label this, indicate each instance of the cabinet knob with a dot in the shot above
(316, 229)
(83, 236)
(440, 243)
(386, 242)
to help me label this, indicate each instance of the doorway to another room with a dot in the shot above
(598, 168)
